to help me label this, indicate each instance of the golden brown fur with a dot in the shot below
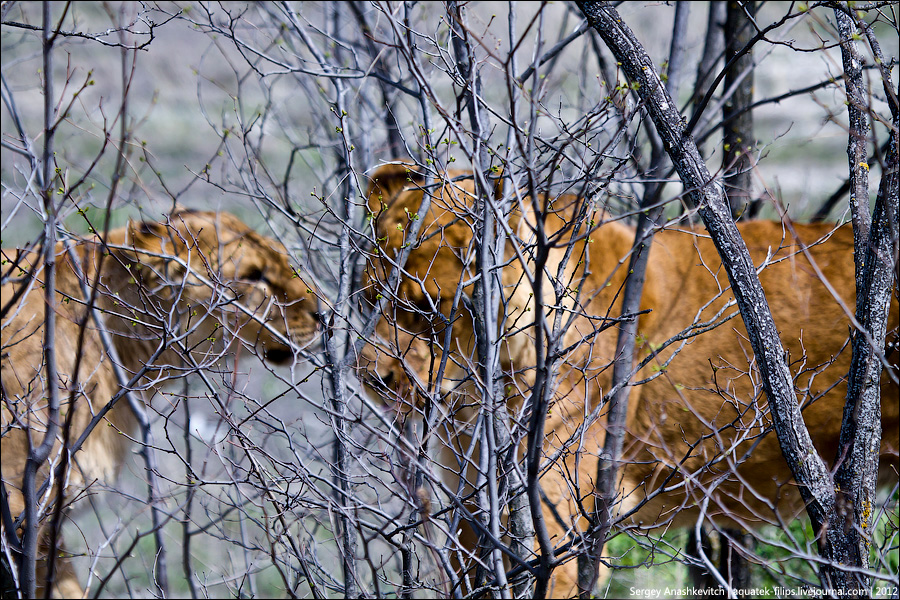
(216, 257)
(704, 408)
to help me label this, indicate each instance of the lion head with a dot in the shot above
(430, 308)
(220, 273)
(425, 342)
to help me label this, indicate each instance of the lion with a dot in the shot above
(699, 433)
(167, 295)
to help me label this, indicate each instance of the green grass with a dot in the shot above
(781, 563)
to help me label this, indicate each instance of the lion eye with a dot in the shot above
(254, 275)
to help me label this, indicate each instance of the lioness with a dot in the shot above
(168, 295)
(699, 432)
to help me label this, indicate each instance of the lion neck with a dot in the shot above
(581, 298)
(595, 272)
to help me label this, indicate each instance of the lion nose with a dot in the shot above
(387, 379)
(278, 356)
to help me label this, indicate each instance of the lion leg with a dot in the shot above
(561, 513)
(464, 556)
(65, 582)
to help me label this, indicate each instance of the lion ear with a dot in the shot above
(145, 241)
(147, 235)
(388, 180)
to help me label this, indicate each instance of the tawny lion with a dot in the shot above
(163, 291)
(699, 431)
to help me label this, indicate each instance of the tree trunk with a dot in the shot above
(738, 141)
